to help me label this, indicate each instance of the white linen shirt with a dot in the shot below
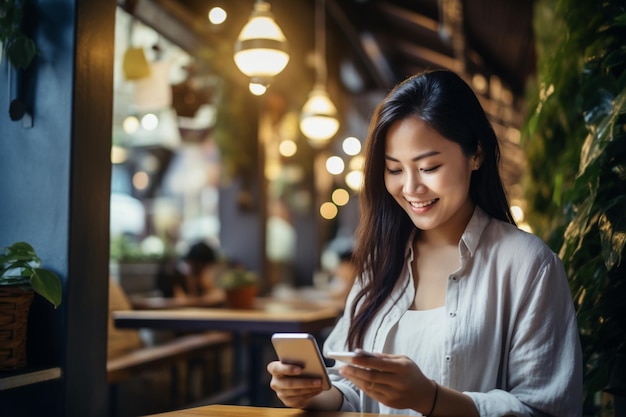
(511, 342)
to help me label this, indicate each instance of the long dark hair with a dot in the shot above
(444, 101)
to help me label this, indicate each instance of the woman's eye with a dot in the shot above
(430, 169)
(393, 171)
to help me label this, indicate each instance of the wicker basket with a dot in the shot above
(14, 307)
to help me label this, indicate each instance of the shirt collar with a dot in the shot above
(474, 229)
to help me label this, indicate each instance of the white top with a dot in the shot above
(422, 334)
(511, 339)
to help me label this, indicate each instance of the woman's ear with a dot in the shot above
(477, 159)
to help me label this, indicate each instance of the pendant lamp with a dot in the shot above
(318, 118)
(261, 48)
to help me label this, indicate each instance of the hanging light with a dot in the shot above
(257, 89)
(318, 119)
(261, 48)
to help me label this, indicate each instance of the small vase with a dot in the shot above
(242, 297)
(14, 307)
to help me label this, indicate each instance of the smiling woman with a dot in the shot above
(439, 260)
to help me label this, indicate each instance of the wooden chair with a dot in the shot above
(129, 357)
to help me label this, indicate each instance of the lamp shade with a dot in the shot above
(318, 118)
(261, 48)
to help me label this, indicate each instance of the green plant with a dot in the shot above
(21, 267)
(19, 49)
(233, 278)
(577, 139)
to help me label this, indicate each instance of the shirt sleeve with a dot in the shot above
(544, 366)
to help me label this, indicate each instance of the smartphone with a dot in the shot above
(348, 356)
(301, 349)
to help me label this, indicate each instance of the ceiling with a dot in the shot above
(381, 42)
(492, 37)
(388, 39)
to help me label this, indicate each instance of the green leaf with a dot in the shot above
(575, 231)
(620, 20)
(21, 51)
(20, 251)
(47, 284)
(612, 225)
(615, 58)
(605, 132)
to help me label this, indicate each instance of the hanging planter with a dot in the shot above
(19, 49)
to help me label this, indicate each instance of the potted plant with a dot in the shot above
(240, 286)
(21, 275)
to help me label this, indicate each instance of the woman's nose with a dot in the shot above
(414, 185)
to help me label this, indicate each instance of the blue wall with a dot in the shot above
(54, 193)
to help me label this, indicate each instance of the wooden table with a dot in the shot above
(142, 302)
(268, 319)
(255, 325)
(240, 411)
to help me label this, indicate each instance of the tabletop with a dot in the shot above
(244, 411)
(269, 316)
(214, 299)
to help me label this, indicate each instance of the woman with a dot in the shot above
(469, 315)
(192, 276)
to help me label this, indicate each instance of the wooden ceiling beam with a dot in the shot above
(409, 17)
(429, 56)
(366, 47)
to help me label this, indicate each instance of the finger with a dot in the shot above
(368, 380)
(379, 362)
(278, 368)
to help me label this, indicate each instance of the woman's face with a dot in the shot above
(429, 176)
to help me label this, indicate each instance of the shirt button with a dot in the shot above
(448, 358)
(453, 278)
(452, 314)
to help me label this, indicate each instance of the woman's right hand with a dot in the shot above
(293, 391)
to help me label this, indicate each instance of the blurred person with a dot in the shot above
(466, 314)
(193, 276)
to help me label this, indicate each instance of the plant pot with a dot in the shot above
(14, 308)
(242, 297)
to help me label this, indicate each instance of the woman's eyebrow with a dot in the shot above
(417, 158)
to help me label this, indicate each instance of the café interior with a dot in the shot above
(203, 140)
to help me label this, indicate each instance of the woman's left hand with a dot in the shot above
(394, 380)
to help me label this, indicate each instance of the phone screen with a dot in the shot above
(301, 349)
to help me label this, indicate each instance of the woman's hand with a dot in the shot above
(293, 391)
(394, 380)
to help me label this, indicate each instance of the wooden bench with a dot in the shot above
(174, 354)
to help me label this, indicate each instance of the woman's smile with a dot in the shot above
(423, 204)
